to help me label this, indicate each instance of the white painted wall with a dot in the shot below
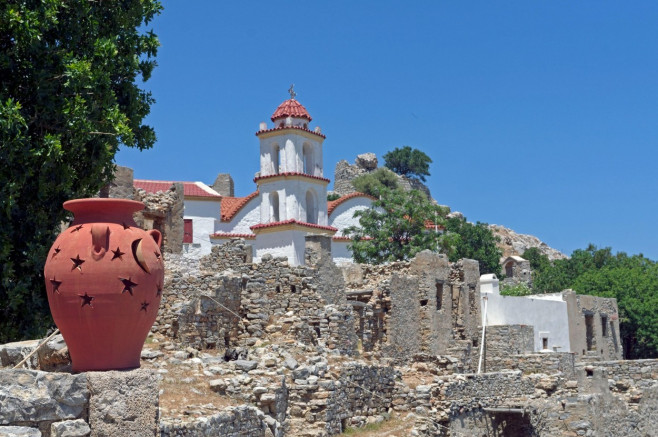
(290, 244)
(202, 227)
(292, 199)
(340, 253)
(201, 208)
(547, 314)
(292, 156)
(343, 215)
(248, 216)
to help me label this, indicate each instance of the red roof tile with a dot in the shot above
(190, 189)
(291, 173)
(232, 205)
(291, 127)
(291, 222)
(291, 108)
(331, 205)
(232, 235)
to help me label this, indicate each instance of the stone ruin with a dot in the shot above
(245, 349)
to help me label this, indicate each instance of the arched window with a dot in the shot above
(274, 207)
(307, 157)
(276, 158)
(311, 207)
(509, 269)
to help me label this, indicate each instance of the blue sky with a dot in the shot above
(540, 116)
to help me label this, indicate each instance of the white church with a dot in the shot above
(289, 203)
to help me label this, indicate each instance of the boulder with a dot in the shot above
(367, 161)
(35, 396)
(70, 428)
(19, 431)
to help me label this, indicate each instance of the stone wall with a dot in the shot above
(237, 307)
(92, 403)
(164, 212)
(231, 422)
(501, 341)
(593, 326)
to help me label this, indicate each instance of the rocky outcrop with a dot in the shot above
(512, 243)
(364, 164)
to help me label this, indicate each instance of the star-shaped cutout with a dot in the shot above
(125, 226)
(56, 251)
(127, 285)
(77, 263)
(144, 305)
(76, 229)
(157, 255)
(86, 300)
(158, 292)
(117, 254)
(56, 285)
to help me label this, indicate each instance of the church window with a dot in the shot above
(274, 207)
(311, 208)
(307, 157)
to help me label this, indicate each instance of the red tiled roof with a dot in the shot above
(291, 108)
(332, 204)
(290, 127)
(232, 235)
(429, 224)
(291, 222)
(291, 173)
(190, 189)
(230, 206)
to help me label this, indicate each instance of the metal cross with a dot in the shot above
(292, 92)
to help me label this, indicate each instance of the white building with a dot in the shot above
(290, 201)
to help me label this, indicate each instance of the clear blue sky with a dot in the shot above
(540, 116)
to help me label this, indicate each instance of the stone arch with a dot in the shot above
(509, 269)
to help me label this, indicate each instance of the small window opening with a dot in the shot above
(589, 372)
(439, 295)
(604, 326)
(278, 289)
(544, 343)
(423, 302)
(589, 332)
(293, 289)
(475, 342)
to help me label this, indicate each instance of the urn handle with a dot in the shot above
(157, 236)
(100, 240)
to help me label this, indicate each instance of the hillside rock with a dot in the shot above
(512, 243)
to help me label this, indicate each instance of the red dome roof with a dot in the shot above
(291, 108)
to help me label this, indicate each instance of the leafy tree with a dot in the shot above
(68, 100)
(408, 162)
(394, 228)
(538, 261)
(373, 183)
(476, 241)
(332, 196)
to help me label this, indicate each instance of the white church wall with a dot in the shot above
(343, 215)
(248, 216)
(548, 316)
(340, 253)
(287, 243)
(202, 208)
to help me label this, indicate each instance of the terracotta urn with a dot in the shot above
(104, 278)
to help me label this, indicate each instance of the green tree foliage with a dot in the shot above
(633, 281)
(373, 183)
(68, 100)
(394, 228)
(400, 224)
(521, 289)
(476, 241)
(332, 196)
(408, 162)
